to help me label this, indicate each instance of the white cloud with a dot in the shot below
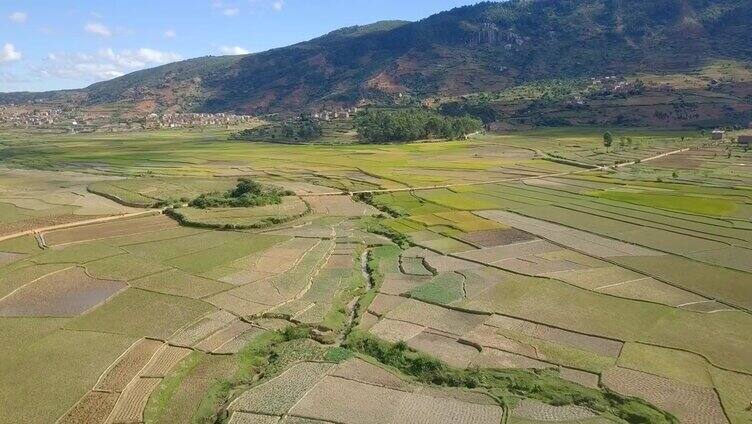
(278, 5)
(231, 11)
(104, 64)
(233, 50)
(18, 17)
(9, 54)
(170, 33)
(97, 29)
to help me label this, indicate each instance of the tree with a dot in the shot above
(608, 139)
(381, 126)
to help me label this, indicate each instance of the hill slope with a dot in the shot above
(486, 47)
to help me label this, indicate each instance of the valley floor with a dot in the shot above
(522, 278)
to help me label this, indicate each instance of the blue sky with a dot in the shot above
(58, 44)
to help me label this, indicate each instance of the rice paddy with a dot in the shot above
(484, 255)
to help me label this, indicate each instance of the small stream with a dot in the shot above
(352, 307)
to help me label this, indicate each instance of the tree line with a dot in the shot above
(388, 126)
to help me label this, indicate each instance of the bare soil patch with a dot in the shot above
(247, 418)
(396, 331)
(278, 395)
(691, 404)
(164, 360)
(340, 262)
(224, 336)
(436, 317)
(383, 303)
(535, 410)
(130, 406)
(206, 326)
(583, 378)
(345, 401)
(487, 336)
(128, 366)
(93, 408)
(497, 237)
(6, 258)
(419, 408)
(495, 358)
(365, 372)
(444, 348)
(67, 293)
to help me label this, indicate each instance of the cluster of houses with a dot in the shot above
(720, 135)
(192, 120)
(331, 115)
(23, 117)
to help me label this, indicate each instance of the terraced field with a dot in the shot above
(497, 280)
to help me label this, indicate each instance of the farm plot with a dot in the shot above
(282, 289)
(94, 407)
(66, 293)
(340, 205)
(267, 263)
(724, 284)
(164, 360)
(424, 408)
(405, 203)
(180, 395)
(139, 313)
(597, 345)
(413, 266)
(444, 288)
(218, 340)
(130, 406)
(124, 227)
(365, 372)
(537, 411)
(691, 404)
(256, 217)
(500, 237)
(178, 283)
(673, 364)
(8, 258)
(537, 257)
(148, 191)
(621, 282)
(202, 328)
(278, 395)
(18, 275)
(442, 320)
(339, 400)
(128, 366)
(51, 367)
(578, 240)
(343, 400)
(447, 349)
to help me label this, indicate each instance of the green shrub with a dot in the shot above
(246, 194)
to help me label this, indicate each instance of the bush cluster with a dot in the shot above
(384, 126)
(246, 194)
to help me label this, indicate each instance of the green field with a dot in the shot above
(629, 268)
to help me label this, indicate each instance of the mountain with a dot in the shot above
(487, 47)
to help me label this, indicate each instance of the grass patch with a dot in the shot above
(674, 202)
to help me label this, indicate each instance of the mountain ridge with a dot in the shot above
(489, 46)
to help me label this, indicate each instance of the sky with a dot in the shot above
(62, 44)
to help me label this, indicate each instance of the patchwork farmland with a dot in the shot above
(519, 278)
